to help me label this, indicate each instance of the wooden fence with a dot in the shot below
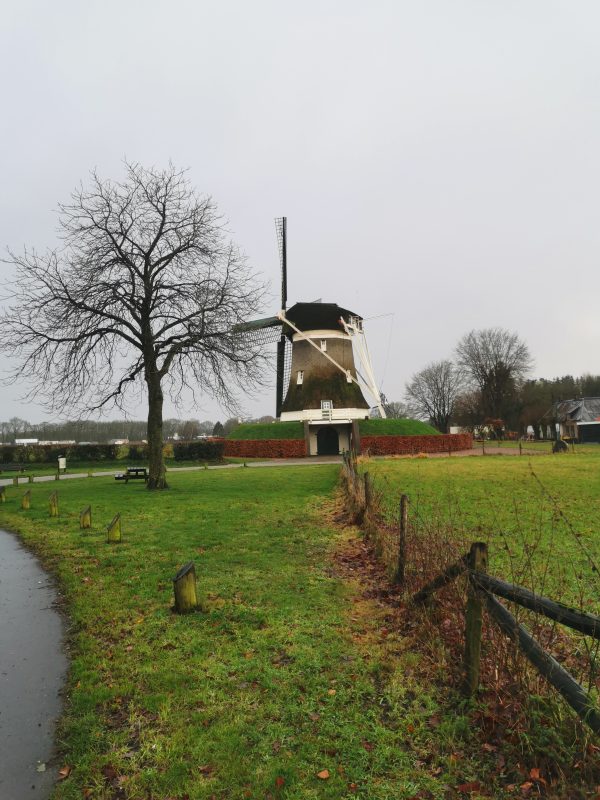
(483, 591)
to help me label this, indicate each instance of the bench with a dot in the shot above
(12, 468)
(133, 473)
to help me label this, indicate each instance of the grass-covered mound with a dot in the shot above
(395, 427)
(268, 430)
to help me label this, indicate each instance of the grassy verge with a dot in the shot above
(283, 685)
(114, 465)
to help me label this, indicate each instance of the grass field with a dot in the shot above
(288, 682)
(283, 675)
(539, 515)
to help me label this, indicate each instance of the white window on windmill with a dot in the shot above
(324, 345)
(300, 378)
(326, 409)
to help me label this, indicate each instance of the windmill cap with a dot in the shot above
(319, 316)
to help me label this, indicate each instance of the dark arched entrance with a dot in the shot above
(328, 441)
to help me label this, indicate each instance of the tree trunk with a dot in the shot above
(156, 463)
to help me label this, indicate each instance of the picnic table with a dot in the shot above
(132, 473)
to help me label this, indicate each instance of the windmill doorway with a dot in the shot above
(328, 441)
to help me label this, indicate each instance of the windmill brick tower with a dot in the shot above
(317, 379)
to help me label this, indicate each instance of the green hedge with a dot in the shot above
(48, 453)
(395, 427)
(268, 430)
(199, 450)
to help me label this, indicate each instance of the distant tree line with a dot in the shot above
(102, 431)
(484, 386)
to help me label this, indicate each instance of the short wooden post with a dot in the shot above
(85, 518)
(184, 587)
(114, 529)
(2, 494)
(477, 562)
(54, 504)
(16, 480)
(90, 473)
(520, 448)
(26, 501)
(30, 479)
(402, 530)
(57, 476)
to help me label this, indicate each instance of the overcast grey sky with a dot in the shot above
(436, 160)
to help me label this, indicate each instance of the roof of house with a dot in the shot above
(582, 409)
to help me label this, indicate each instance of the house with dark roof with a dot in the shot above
(577, 419)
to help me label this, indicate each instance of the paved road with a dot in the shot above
(32, 670)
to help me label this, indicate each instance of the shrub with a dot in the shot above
(199, 450)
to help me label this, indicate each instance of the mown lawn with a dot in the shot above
(283, 685)
(539, 515)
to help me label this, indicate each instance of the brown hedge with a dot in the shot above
(406, 445)
(265, 448)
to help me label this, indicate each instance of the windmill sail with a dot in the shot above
(270, 330)
(281, 228)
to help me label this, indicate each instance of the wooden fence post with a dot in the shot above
(16, 480)
(85, 518)
(114, 529)
(473, 619)
(30, 479)
(26, 501)
(403, 527)
(367, 481)
(2, 494)
(520, 448)
(184, 588)
(54, 504)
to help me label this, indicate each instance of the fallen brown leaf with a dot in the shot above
(323, 775)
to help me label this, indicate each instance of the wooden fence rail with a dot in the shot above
(482, 589)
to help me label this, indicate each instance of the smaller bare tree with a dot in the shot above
(395, 409)
(432, 392)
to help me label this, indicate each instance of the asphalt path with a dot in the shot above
(33, 667)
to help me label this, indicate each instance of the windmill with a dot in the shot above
(317, 381)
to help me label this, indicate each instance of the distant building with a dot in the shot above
(118, 441)
(577, 419)
(27, 441)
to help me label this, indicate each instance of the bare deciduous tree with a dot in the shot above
(432, 392)
(396, 409)
(144, 292)
(496, 361)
